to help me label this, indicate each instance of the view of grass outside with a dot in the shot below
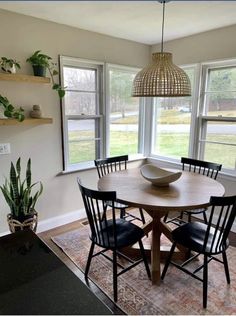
(170, 144)
(124, 113)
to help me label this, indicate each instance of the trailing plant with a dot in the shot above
(7, 63)
(39, 59)
(18, 193)
(10, 111)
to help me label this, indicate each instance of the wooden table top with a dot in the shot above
(190, 191)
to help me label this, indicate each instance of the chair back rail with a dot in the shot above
(102, 232)
(111, 164)
(216, 238)
(209, 169)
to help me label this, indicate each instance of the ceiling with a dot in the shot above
(138, 21)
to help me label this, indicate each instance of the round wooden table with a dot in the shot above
(190, 191)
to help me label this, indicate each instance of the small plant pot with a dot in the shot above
(27, 222)
(39, 71)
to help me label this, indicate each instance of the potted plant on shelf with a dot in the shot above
(41, 63)
(18, 195)
(9, 65)
(9, 111)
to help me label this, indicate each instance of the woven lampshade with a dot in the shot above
(161, 79)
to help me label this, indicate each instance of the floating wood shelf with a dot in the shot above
(27, 121)
(23, 78)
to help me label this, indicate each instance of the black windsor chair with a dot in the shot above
(110, 233)
(206, 168)
(112, 164)
(206, 239)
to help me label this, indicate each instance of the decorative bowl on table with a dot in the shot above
(158, 176)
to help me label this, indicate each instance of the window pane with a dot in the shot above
(124, 113)
(172, 127)
(172, 124)
(79, 79)
(221, 103)
(222, 79)
(78, 103)
(221, 132)
(226, 155)
(81, 140)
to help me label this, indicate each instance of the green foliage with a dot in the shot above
(10, 111)
(7, 63)
(17, 193)
(39, 59)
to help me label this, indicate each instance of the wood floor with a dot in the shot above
(46, 237)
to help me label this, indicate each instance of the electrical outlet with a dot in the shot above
(5, 149)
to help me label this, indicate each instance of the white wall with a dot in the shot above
(207, 46)
(20, 37)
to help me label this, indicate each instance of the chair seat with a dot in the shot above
(117, 205)
(127, 234)
(191, 235)
(197, 211)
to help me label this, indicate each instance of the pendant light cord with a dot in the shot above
(163, 23)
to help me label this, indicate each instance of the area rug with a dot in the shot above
(178, 294)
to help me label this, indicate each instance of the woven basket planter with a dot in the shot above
(29, 223)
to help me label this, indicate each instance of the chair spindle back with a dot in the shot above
(209, 169)
(103, 230)
(112, 164)
(216, 239)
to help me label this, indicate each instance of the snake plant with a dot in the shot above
(18, 194)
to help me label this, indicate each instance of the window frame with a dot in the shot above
(203, 118)
(99, 66)
(194, 123)
(141, 123)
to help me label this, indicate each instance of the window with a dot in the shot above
(171, 124)
(123, 112)
(82, 112)
(218, 119)
(88, 133)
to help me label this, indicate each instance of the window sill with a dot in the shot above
(89, 165)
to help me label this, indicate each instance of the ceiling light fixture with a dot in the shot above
(161, 78)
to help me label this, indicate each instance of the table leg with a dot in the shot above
(155, 251)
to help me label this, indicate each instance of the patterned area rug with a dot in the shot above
(179, 294)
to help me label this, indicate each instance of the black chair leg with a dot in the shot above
(144, 258)
(168, 261)
(205, 281)
(165, 218)
(142, 216)
(89, 260)
(115, 275)
(189, 217)
(226, 267)
(204, 217)
(122, 213)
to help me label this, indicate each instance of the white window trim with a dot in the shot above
(78, 62)
(141, 136)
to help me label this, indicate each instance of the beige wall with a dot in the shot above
(207, 46)
(20, 37)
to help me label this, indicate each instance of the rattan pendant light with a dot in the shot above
(161, 78)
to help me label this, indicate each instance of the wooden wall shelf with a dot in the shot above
(23, 78)
(27, 121)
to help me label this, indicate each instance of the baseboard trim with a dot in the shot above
(56, 221)
(60, 220)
